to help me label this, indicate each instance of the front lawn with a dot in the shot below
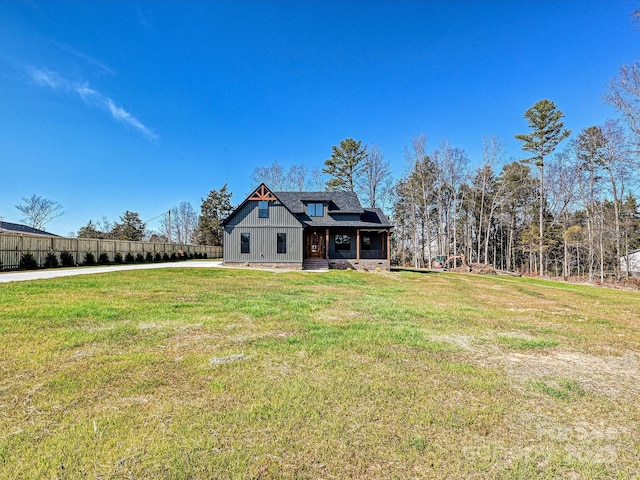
(216, 373)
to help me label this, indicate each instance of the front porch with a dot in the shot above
(342, 248)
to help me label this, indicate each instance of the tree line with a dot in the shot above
(180, 224)
(566, 212)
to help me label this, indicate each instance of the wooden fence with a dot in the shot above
(12, 246)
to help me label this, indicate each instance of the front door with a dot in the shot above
(315, 245)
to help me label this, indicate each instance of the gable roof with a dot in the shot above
(8, 227)
(261, 193)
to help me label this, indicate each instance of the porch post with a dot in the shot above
(389, 245)
(357, 244)
(326, 245)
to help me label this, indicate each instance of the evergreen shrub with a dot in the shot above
(67, 259)
(28, 261)
(51, 260)
(89, 258)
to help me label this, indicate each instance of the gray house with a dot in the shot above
(307, 230)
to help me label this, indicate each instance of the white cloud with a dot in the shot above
(121, 114)
(47, 78)
(85, 92)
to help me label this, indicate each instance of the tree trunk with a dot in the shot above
(565, 266)
(616, 210)
(541, 217)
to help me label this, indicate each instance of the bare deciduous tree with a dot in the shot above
(375, 181)
(273, 176)
(38, 211)
(295, 179)
(619, 167)
(624, 94)
(180, 223)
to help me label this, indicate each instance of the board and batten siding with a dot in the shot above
(263, 234)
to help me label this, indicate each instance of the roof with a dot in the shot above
(8, 227)
(339, 203)
(370, 218)
(343, 202)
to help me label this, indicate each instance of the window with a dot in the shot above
(282, 243)
(314, 209)
(244, 243)
(365, 242)
(263, 209)
(343, 242)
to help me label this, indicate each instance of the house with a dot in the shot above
(18, 229)
(307, 230)
(634, 263)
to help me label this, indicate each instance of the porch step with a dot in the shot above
(315, 264)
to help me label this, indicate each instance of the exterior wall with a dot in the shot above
(361, 265)
(634, 263)
(279, 216)
(263, 246)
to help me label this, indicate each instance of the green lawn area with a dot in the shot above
(220, 373)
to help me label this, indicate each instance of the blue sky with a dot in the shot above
(114, 106)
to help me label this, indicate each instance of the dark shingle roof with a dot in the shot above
(24, 229)
(370, 218)
(375, 215)
(339, 202)
(344, 210)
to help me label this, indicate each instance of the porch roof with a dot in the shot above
(372, 218)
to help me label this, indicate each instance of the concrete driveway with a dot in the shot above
(68, 272)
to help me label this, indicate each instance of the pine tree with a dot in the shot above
(343, 165)
(545, 121)
(131, 228)
(214, 209)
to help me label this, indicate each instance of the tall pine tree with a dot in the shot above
(547, 131)
(343, 166)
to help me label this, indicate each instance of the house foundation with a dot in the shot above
(360, 265)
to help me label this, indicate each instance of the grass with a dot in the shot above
(189, 373)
